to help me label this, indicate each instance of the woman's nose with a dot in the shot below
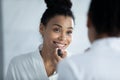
(62, 37)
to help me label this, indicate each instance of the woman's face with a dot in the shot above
(58, 32)
(91, 30)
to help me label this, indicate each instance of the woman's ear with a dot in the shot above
(41, 29)
(91, 30)
(89, 22)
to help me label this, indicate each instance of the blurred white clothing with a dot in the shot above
(100, 62)
(28, 67)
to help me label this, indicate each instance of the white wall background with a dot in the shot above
(21, 27)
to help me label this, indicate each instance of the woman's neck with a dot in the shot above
(49, 60)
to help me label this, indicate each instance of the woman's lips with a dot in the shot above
(59, 45)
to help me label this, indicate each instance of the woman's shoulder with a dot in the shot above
(24, 58)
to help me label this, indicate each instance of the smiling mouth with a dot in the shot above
(59, 45)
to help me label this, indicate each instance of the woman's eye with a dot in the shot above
(69, 32)
(56, 30)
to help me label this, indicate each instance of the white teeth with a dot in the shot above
(60, 45)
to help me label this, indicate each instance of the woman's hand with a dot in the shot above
(59, 58)
(51, 60)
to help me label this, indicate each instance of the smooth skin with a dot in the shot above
(57, 34)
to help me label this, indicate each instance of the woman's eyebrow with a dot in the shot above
(61, 26)
(70, 27)
(58, 25)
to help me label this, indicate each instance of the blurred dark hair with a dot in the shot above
(56, 7)
(105, 16)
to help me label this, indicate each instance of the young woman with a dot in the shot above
(56, 28)
(101, 61)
